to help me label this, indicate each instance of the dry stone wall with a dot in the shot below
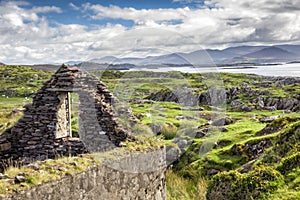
(138, 176)
(39, 134)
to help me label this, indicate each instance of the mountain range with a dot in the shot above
(231, 55)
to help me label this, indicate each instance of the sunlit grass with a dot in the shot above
(46, 171)
(180, 188)
(7, 105)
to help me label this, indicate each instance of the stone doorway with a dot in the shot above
(75, 110)
(68, 115)
(63, 126)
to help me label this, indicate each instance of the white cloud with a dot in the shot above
(187, 1)
(221, 22)
(73, 6)
(27, 37)
(138, 16)
(46, 9)
(262, 5)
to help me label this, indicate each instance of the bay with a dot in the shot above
(292, 70)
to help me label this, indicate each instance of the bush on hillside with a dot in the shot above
(289, 163)
(255, 184)
(168, 131)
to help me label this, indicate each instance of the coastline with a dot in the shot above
(284, 70)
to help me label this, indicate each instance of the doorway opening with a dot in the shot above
(74, 99)
(63, 128)
(68, 115)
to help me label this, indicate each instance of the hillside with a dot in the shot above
(253, 137)
(271, 53)
(21, 81)
(242, 50)
(18, 83)
(291, 48)
(257, 134)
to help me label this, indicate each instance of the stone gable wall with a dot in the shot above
(34, 135)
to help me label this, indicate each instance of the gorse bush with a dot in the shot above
(286, 144)
(289, 163)
(255, 184)
(222, 185)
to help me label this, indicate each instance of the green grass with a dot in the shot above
(179, 188)
(168, 131)
(21, 80)
(285, 194)
(48, 170)
(163, 113)
(240, 133)
(18, 83)
(143, 143)
(7, 105)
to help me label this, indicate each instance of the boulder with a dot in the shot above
(20, 179)
(269, 119)
(246, 108)
(172, 154)
(212, 171)
(200, 134)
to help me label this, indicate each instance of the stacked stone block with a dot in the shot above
(34, 135)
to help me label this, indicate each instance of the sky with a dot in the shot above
(57, 31)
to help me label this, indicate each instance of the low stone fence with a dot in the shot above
(134, 176)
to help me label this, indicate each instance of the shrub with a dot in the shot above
(169, 131)
(260, 182)
(222, 185)
(233, 185)
(289, 163)
(286, 143)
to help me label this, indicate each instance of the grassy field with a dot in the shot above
(10, 110)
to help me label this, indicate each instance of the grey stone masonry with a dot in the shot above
(44, 130)
(137, 176)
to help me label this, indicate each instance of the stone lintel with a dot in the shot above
(64, 89)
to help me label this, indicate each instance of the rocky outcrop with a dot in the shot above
(251, 150)
(213, 96)
(262, 101)
(183, 97)
(270, 103)
(269, 118)
(268, 130)
(258, 99)
(232, 93)
(283, 80)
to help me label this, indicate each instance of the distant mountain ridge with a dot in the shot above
(231, 55)
(270, 52)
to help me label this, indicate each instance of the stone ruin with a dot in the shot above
(44, 131)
